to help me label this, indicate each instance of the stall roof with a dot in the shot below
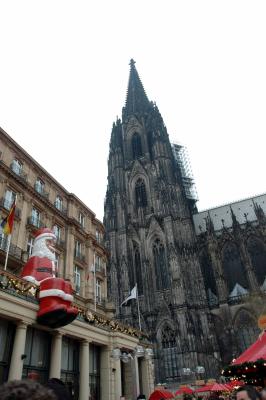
(253, 353)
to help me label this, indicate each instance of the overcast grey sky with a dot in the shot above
(64, 73)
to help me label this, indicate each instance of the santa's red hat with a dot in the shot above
(44, 233)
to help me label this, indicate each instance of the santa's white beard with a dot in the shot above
(40, 249)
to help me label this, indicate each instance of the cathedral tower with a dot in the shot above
(152, 243)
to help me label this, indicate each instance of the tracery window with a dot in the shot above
(208, 274)
(140, 192)
(246, 330)
(136, 146)
(257, 253)
(170, 357)
(161, 271)
(233, 267)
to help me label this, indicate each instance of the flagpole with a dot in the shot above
(138, 306)
(9, 236)
(94, 271)
(7, 251)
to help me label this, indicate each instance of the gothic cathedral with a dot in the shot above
(152, 243)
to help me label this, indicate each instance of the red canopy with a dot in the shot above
(253, 353)
(218, 387)
(205, 388)
(214, 387)
(184, 390)
(161, 394)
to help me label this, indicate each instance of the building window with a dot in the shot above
(57, 232)
(78, 249)
(70, 366)
(16, 166)
(136, 146)
(97, 263)
(30, 245)
(98, 291)
(35, 217)
(170, 355)
(162, 277)
(77, 278)
(233, 267)
(81, 219)
(140, 192)
(58, 203)
(98, 236)
(94, 370)
(246, 330)
(37, 351)
(7, 333)
(39, 185)
(257, 252)
(9, 199)
(3, 241)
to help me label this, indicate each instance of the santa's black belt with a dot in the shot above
(44, 270)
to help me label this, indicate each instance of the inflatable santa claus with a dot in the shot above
(55, 295)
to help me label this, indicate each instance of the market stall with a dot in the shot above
(250, 366)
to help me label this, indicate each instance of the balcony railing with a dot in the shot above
(60, 208)
(99, 268)
(100, 301)
(60, 242)
(18, 171)
(35, 222)
(79, 257)
(13, 250)
(238, 299)
(39, 189)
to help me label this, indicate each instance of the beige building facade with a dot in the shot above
(97, 357)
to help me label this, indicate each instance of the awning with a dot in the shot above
(184, 390)
(253, 353)
(161, 394)
(215, 387)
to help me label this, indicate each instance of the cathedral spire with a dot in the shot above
(136, 100)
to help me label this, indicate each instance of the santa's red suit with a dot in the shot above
(55, 294)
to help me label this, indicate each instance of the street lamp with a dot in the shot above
(125, 356)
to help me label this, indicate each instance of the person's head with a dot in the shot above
(247, 392)
(263, 393)
(59, 388)
(25, 390)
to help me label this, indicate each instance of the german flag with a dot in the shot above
(7, 223)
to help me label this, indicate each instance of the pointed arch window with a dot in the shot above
(170, 353)
(161, 272)
(208, 276)
(257, 252)
(137, 262)
(140, 192)
(233, 267)
(246, 330)
(136, 146)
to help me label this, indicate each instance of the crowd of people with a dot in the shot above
(55, 389)
(28, 389)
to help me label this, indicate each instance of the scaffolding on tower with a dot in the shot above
(182, 158)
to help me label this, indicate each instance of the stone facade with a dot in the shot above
(152, 243)
(79, 353)
(200, 276)
(232, 251)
